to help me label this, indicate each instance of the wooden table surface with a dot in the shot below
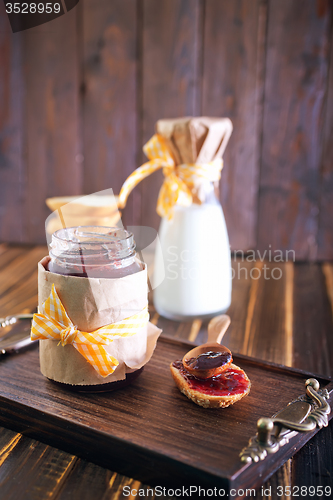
(280, 312)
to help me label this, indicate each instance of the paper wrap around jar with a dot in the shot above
(90, 304)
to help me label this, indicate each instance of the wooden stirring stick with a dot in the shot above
(217, 328)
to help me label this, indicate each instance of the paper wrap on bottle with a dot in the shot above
(196, 140)
(189, 150)
(92, 303)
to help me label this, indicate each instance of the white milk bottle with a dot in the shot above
(196, 258)
(193, 236)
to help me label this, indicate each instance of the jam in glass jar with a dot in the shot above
(95, 252)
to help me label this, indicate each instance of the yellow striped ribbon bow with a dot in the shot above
(179, 182)
(53, 323)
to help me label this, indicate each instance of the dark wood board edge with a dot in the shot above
(81, 440)
(169, 473)
(157, 469)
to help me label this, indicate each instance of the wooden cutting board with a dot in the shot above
(149, 430)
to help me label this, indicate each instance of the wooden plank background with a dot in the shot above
(80, 95)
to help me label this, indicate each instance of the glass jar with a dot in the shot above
(196, 255)
(94, 252)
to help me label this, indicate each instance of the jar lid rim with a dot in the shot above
(89, 235)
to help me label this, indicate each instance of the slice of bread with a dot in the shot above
(208, 400)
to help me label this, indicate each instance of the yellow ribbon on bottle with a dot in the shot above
(53, 323)
(179, 182)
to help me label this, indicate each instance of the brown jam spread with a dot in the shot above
(209, 360)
